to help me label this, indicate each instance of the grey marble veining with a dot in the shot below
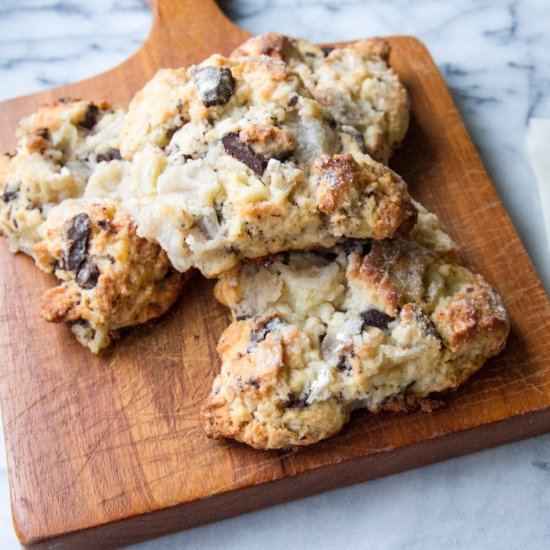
(494, 56)
(47, 43)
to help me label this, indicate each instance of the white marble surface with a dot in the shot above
(495, 58)
(538, 147)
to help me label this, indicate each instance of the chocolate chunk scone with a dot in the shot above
(110, 277)
(355, 84)
(373, 324)
(59, 147)
(234, 159)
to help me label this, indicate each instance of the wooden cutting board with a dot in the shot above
(111, 450)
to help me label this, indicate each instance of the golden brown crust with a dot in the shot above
(343, 183)
(394, 271)
(37, 142)
(269, 141)
(59, 304)
(373, 47)
(271, 44)
(472, 314)
(255, 376)
(410, 402)
(51, 116)
(339, 182)
(347, 186)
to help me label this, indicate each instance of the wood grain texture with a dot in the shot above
(109, 450)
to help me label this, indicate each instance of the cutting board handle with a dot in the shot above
(183, 32)
(199, 23)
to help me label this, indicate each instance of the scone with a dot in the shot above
(354, 83)
(430, 233)
(234, 159)
(110, 277)
(59, 147)
(373, 324)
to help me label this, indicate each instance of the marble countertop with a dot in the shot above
(494, 57)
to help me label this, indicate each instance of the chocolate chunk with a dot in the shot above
(208, 226)
(285, 257)
(327, 254)
(282, 257)
(427, 325)
(244, 153)
(44, 133)
(260, 332)
(87, 275)
(90, 117)
(356, 135)
(361, 246)
(106, 225)
(243, 317)
(376, 318)
(215, 86)
(327, 49)
(218, 208)
(111, 154)
(255, 383)
(295, 402)
(432, 331)
(292, 101)
(284, 156)
(76, 233)
(170, 132)
(8, 195)
(343, 364)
